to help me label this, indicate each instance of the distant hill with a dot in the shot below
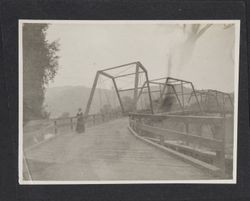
(59, 100)
(69, 98)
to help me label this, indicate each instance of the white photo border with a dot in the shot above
(20, 101)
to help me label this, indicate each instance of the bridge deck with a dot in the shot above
(106, 152)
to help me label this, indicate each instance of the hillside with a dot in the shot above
(69, 98)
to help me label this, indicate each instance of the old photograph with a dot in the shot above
(134, 101)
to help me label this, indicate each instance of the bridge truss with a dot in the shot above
(160, 93)
(168, 87)
(221, 102)
(114, 74)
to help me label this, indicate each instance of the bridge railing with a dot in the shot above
(47, 129)
(90, 121)
(202, 137)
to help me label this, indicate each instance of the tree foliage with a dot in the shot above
(40, 65)
(190, 35)
(106, 108)
(128, 104)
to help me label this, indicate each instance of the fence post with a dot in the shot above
(55, 126)
(93, 119)
(187, 131)
(161, 139)
(132, 123)
(200, 125)
(220, 154)
(138, 123)
(71, 124)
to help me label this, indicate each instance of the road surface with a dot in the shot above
(105, 152)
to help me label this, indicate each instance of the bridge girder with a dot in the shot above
(139, 68)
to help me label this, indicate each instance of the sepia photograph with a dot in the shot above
(128, 102)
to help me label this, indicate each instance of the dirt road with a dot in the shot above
(105, 152)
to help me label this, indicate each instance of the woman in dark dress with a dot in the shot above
(80, 125)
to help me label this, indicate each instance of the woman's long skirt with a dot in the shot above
(80, 126)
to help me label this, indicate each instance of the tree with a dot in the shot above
(184, 51)
(40, 64)
(192, 33)
(167, 103)
(106, 109)
(128, 103)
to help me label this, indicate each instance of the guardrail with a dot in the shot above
(63, 125)
(91, 120)
(202, 137)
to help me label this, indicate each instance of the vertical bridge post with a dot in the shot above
(148, 86)
(118, 95)
(91, 95)
(136, 86)
(55, 126)
(220, 154)
(71, 124)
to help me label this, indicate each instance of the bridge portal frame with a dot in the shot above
(175, 81)
(172, 82)
(139, 68)
(214, 93)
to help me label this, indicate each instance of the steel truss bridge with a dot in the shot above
(181, 134)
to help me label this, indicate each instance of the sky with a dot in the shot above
(86, 48)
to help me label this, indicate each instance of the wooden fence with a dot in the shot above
(58, 126)
(90, 121)
(211, 148)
